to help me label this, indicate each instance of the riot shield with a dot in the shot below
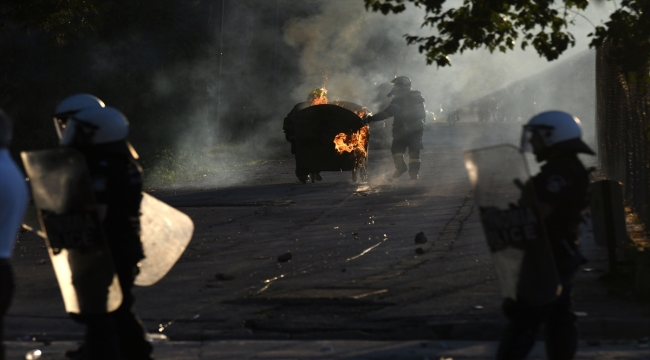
(513, 226)
(64, 199)
(318, 128)
(165, 233)
(31, 220)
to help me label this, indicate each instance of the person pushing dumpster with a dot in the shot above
(407, 109)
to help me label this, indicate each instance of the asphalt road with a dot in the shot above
(354, 271)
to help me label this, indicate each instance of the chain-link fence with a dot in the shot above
(622, 122)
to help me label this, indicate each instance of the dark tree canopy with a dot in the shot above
(543, 24)
(62, 19)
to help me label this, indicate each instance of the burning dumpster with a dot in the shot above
(333, 137)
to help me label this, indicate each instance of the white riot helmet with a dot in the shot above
(94, 126)
(552, 131)
(72, 105)
(6, 129)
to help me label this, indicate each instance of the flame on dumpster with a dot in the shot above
(363, 113)
(356, 143)
(318, 96)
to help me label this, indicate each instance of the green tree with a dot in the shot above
(543, 24)
(61, 19)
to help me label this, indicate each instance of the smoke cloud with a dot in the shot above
(276, 52)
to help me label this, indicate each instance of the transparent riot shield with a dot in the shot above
(513, 226)
(64, 199)
(165, 233)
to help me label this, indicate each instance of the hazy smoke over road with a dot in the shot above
(359, 50)
(354, 53)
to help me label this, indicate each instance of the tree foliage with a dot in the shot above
(62, 19)
(543, 24)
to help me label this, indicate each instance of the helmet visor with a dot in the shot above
(77, 133)
(532, 139)
(67, 132)
(525, 145)
(60, 124)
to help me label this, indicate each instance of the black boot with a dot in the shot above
(414, 169)
(302, 176)
(400, 165)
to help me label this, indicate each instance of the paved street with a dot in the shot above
(344, 349)
(354, 273)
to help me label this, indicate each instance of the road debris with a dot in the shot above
(420, 238)
(419, 251)
(154, 338)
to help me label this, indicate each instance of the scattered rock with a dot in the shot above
(478, 307)
(33, 354)
(343, 270)
(355, 234)
(153, 337)
(42, 262)
(222, 276)
(419, 251)
(420, 238)
(285, 257)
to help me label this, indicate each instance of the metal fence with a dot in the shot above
(622, 126)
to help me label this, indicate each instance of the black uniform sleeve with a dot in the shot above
(390, 111)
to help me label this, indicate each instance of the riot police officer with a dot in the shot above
(561, 189)
(407, 109)
(13, 200)
(100, 134)
(318, 96)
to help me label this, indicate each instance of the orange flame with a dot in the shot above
(356, 143)
(318, 96)
(363, 112)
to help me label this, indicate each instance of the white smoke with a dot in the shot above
(357, 50)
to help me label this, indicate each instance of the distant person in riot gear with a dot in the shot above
(561, 188)
(13, 201)
(453, 117)
(318, 96)
(408, 112)
(100, 134)
(483, 111)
